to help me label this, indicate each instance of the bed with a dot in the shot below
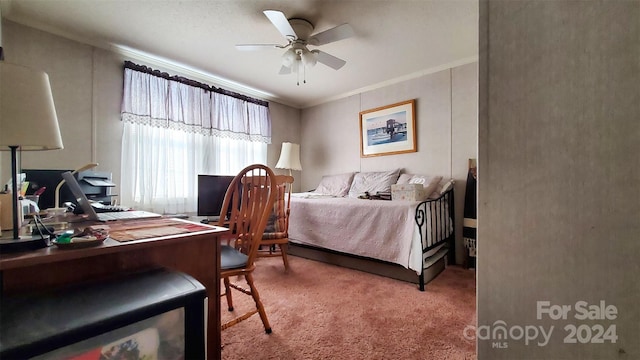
(412, 234)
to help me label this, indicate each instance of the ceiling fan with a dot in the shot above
(298, 33)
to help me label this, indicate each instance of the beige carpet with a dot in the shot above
(321, 311)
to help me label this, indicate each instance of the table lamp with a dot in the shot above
(289, 157)
(28, 120)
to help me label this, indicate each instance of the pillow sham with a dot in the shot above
(373, 182)
(336, 185)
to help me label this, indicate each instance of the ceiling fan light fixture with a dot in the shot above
(288, 57)
(308, 58)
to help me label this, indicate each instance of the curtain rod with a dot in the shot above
(183, 80)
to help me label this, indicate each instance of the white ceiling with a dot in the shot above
(394, 40)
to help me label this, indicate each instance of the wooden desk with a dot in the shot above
(195, 253)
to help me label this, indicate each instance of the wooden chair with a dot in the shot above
(276, 235)
(251, 195)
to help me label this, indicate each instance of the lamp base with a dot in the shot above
(24, 243)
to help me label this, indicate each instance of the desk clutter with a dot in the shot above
(81, 238)
(66, 237)
(6, 211)
(151, 228)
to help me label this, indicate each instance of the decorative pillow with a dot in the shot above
(372, 182)
(336, 185)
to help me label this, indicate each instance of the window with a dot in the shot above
(174, 131)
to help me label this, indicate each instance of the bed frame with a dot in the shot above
(431, 265)
(439, 225)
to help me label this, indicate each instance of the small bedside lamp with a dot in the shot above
(28, 120)
(289, 157)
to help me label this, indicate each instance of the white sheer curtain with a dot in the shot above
(174, 131)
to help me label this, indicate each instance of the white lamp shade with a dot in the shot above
(289, 157)
(27, 113)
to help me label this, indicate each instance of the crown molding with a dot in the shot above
(400, 79)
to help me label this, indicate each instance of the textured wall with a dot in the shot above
(559, 176)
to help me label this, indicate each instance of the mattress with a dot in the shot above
(377, 229)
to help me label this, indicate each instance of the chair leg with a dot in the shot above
(256, 298)
(283, 251)
(227, 293)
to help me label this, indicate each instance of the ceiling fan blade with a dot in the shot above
(281, 23)
(284, 70)
(337, 33)
(251, 47)
(329, 60)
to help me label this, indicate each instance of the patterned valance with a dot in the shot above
(157, 99)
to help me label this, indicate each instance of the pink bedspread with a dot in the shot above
(378, 229)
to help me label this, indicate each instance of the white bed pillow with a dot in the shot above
(336, 185)
(430, 183)
(373, 182)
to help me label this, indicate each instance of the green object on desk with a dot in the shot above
(64, 238)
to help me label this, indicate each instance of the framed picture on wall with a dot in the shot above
(388, 130)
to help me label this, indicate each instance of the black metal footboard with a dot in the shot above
(436, 224)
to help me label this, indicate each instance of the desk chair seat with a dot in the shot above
(231, 258)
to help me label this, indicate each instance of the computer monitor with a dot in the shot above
(211, 191)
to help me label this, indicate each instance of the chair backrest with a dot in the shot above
(251, 195)
(278, 223)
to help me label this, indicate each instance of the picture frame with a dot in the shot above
(388, 130)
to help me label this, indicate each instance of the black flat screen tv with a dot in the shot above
(211, 191)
